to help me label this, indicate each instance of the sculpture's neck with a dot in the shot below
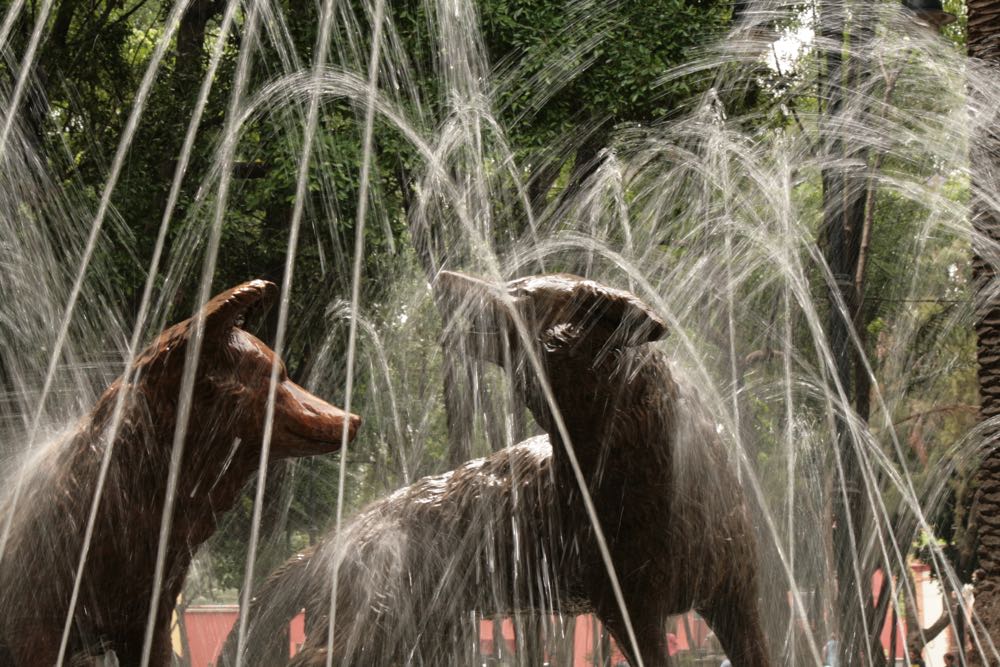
(208, 481)
(605, 408)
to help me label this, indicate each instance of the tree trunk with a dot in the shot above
(984, 44)
(843, 218)
(185, 658)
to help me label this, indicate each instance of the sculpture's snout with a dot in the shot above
(306, 425)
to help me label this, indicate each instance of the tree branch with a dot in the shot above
(964, 407)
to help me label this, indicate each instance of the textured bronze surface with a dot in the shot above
(221, 452)
(510, 533)
(981, 548)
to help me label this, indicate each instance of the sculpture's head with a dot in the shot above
(562, 316)
(230, 392)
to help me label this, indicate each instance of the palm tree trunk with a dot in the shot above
(984, 44)
(844, 197)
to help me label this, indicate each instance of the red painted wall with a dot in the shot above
(208, 626)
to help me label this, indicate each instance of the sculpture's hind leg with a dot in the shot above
(736, 623)
(650, 628)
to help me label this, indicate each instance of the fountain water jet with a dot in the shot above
(520, 509)
(124, 449)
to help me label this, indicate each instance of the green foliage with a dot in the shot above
(605, 61)
(561, 69)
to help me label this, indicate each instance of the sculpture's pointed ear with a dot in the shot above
(617, 316)
(459, 289)
(475, 313)
(230, 308)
